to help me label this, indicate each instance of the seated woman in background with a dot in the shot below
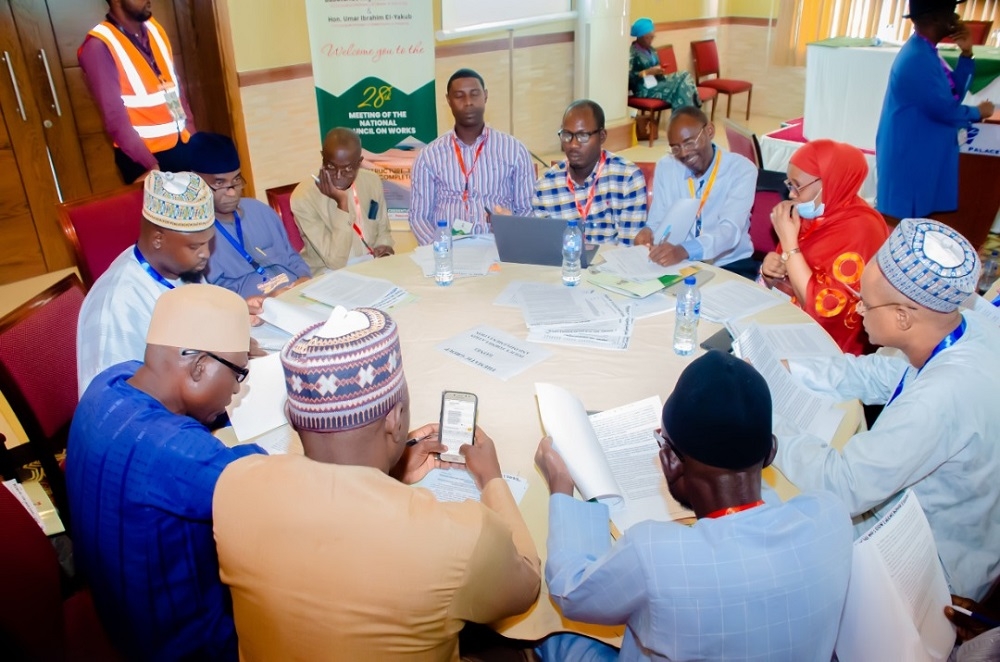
(827, 235)
(645, 75)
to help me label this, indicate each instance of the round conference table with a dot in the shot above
(601, 379)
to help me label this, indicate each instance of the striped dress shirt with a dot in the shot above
(501, 175)
(618, 211)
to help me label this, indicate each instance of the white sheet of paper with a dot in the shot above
(472, 257)
(649, 81)
(350, 290)
(290, 317)
(21, 495)
(626, 436)
(259, 407)
(450, 485)
(613, 334)
(791, 341)
(565, 420)
(633, 263)
(269, 337)
(676, 224)
(985, 308)
(794, 403)
(897, 592)
(509, 297)
(734, 299)
(493, 351)
(655, 304)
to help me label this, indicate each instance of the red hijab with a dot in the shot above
(838, 244)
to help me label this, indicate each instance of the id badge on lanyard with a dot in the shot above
(172, 97)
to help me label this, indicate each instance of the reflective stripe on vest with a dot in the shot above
(144, 101)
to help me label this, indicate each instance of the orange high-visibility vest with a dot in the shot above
(143, 92)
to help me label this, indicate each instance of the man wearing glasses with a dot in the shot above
(341, 212)
(141, 469)
(749, 580)
(938, 432)
(605, 192)
(251, 255)
(720, 187)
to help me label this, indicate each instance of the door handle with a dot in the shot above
(52, 85)
(13, 81)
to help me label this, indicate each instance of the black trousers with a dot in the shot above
(747, 267)
(175, 159)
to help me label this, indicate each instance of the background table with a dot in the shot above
(507, 410)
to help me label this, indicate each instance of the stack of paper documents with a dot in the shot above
(283, 320)
(633, 263)
(734, 299)
(351, 290)
(259, 408)
(790, 341)
(472, 256)
(561, 315)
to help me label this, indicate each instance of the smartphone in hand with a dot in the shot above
(458, 423)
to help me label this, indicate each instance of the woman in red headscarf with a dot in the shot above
(827, 235)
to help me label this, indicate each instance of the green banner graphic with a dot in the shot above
(382, 115)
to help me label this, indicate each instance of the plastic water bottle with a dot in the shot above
(572, 249)
(688, 314)
(991, 270)
(442, 254)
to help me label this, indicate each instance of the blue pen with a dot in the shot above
(666, 233)
(976, 616)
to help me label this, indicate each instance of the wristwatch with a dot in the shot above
(787, 254)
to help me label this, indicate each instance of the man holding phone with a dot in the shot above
(334, 551)
(341, 211)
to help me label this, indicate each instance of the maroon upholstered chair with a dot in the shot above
(38, 376)
(762, 234)
(743, 141)
(648, 168)
(100, 227)
(280, 199)
(36, 623)
(979, 31)
(705, 58)
(668, 60)
(647, 121)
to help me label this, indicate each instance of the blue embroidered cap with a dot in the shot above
(345, 373)
(930, 263)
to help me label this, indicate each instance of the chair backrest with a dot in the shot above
(762, 234)
(979, 32)
(38, 373)
(31, 618)
(668, 60)
(100, 227)
(280, 199)
(704, 58)
(743, 141)
(648, 168)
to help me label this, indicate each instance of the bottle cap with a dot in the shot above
(442, 223)
(572, 223)
(689, 280)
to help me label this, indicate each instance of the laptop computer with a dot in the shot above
(534, 240)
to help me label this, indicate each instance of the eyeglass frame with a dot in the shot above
(238, 183)
(582, 137)
(795, 188)
(867, 308)
(342, 171)
(687, 145)
(664, 441)
(240, 373)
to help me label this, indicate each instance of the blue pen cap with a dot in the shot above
(689, 280)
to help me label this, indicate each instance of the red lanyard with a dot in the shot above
(475, 159)
(733, 509)
(584, 212)
(357, 215)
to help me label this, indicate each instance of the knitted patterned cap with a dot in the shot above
(343, 374)
(178, 201)
(930, 263)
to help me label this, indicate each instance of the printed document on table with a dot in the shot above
(983, 307)
(614, 334)
(472, 257)
(633, 263)
(289, 317)
(790, 341)
(350, 290)
(493, 351)
(734, 299)
(450, 485)
(259, 407)
(544, 305)
(792, 402)
(897, 593)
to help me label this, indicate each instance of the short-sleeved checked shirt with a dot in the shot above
(619, 208)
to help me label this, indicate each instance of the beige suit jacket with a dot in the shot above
(327, 230)
(341, 562)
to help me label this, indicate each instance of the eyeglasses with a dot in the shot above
(342, 170)
(241, 373)
(795, 188)
(687, 145)
(582, 137)
(664, 441)
(863, 308)
(237, 183)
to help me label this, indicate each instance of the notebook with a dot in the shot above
(534, 240)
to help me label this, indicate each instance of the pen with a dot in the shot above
(666, 233)
(417, 440)
(315, 178)
(257, 248)
(977, 616)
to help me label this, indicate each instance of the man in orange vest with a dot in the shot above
(129, 67)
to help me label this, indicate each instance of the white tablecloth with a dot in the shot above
(776, 152)
(507, 410)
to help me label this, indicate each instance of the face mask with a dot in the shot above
(810, 209)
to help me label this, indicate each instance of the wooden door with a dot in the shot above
(31, 180)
